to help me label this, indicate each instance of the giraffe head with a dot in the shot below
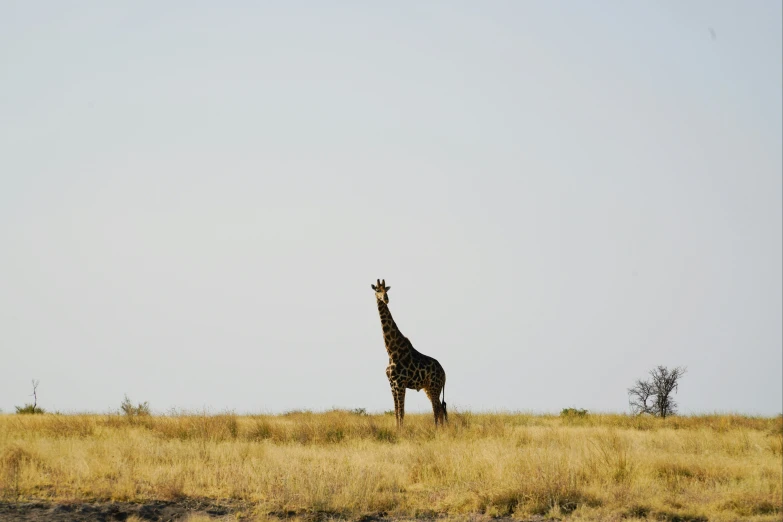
(380, 291)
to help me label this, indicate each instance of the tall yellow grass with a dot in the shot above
(717, 467)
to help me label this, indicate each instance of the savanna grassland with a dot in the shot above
(343, 464)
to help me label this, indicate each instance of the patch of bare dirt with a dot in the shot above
(170, 511)
(158, 511)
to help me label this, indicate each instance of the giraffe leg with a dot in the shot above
(401, 400)
(396, 406)
(437, 409)
(398, 392)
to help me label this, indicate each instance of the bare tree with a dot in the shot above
(655, 396)
(31, 408)
(639, 395)
(35, 393)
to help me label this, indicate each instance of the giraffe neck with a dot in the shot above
(391, 334)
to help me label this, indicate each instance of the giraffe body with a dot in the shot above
(408, 368)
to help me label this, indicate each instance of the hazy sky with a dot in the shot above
(195, 199)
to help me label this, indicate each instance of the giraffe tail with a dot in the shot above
(443, 403)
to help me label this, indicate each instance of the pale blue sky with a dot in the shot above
(195, 199)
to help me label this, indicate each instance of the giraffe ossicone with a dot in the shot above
(408, 368)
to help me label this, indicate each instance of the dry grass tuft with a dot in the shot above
(350, 464)
(13, 461)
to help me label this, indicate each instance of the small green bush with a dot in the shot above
(140, 410)
(573, 412)
(29, 409)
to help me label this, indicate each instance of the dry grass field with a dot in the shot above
(349, 465)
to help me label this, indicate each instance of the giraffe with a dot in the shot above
(409, 368)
